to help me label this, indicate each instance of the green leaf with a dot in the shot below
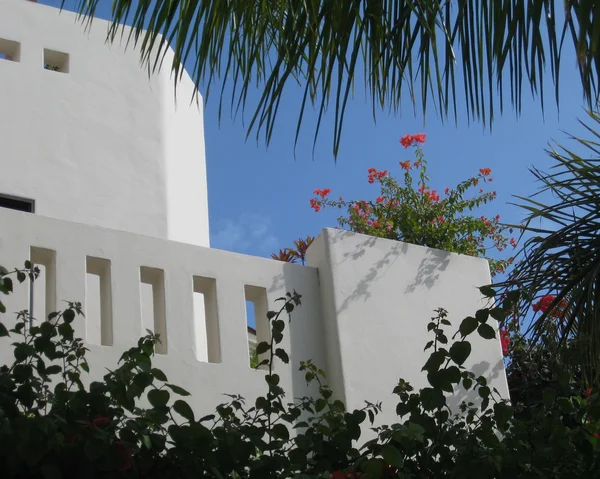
(54, 369)
(482, 315)
(436, 359)
(486, 331)
(460, 351)
(281, 354)
(158, 374)
(498, 314)
(3, 330)
(279, 431)
(278, 325)
(147, 442)
(502, 413)
(6, 285)
(177, 390)
(468, 325)
(158, 397)
(484, 391)
(69, 316)
(184, 410)
(487, 291)
(262, 347)
(392, 456)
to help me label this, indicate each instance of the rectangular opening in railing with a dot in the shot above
(43, 292)
(153, 303)
(206, 321)
(256, 321)
(98, 301)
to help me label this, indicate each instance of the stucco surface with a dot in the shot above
(103, 144)
(365, 306)
(378, 296)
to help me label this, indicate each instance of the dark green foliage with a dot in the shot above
(53, 426)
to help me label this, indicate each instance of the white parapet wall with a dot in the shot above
(365, 306)
(378, 296)
(89, 135)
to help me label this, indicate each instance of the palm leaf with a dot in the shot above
(563, 258)
(405, 49)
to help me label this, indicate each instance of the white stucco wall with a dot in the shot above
(365, 307)
(73, 242)
(378, 296)
(103, 144)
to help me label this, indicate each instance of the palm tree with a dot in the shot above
(562, 258)
(427, 50)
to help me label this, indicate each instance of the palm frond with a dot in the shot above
(563, 258)
(422, 50)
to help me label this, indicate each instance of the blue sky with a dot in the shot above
(258, 196)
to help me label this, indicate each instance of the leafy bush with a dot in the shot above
(134, 423)
(411, 211)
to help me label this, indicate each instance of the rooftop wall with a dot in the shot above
(97, 142)
(365, 306)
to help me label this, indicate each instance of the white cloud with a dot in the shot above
(249, 233)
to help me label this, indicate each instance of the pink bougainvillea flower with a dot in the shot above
(376, 175)
(322, 193)
(485, 171)
(379, 200)
(504, 341)
(314, 204)
(405, 165)
(513, 242)
(408, 140)
(420, 138)
(447, 190)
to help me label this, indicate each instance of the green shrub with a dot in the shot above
(52, 425)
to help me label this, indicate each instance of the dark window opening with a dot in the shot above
(16, 203)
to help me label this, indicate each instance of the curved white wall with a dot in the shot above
(103, 144)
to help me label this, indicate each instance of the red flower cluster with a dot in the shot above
(322, 193)
(504, 341)
(433, 196)
(379, 200)
(405, 165)
(374, 174)
(408, 140)
(544, 303)
(485, 171)
(513, 242)
(315, 205)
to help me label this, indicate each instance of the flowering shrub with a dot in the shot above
(53, 426)
(411, 210)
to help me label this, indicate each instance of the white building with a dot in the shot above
(98, 141)
(114, 172)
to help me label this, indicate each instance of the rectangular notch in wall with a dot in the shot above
(257, 323)
(98, 301)
(152, 293)
(56, 61)
(206, 322)
(43, 288)
(10, 50)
